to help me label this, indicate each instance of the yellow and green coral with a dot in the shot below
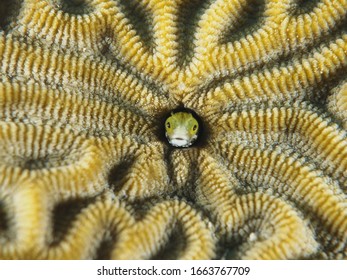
(86, 171)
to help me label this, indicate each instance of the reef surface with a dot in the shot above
(86, 171)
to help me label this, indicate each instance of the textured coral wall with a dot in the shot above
(85, 169)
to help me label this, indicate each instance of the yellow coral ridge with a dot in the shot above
(87, 173)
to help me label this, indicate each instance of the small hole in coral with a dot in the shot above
(230, 251)
(105, 247)
(34, 164)
(3, 218)
(182, 128)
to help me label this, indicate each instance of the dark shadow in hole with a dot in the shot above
(174, 246)
(250, 19)
(118, 172)
(188, 17)
(3, 217)
(74, 7)
(35, 164)
(141, 21)
(304, 6)
(64, 214)
(229, 250)
(9, 10)
(105, 247)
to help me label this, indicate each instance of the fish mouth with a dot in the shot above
(179, 142)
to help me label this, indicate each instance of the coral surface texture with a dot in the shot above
(87, 173)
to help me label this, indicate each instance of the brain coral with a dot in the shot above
(86, 171)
